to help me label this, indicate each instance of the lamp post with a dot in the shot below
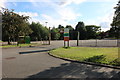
(46, 23)
(49, 35)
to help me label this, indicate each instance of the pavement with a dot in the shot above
(34, 62)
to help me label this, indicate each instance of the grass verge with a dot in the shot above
(20, 45)
(89, 54)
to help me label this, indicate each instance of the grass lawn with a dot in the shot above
(90, 54)
(32, 44)
(1, 41)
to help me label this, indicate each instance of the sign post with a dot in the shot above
(66, 37)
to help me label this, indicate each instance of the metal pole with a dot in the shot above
(64, 44)
(46, 23)
(68, 43)
(49, 35)
(78, 39)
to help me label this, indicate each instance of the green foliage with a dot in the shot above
(72, 32)
(14, 25)
(92, 31)
(81, 28)
(96, 59)
(61, 30)
(87, 32)
(115, 29)
(55, 35)
(115, 62)
(20, 45)
(39, 32)
(70, 27)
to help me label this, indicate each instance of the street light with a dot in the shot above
(46, 23)
(49, 33)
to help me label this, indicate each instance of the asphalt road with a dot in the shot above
(34, 62)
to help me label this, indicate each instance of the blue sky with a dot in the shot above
(65, 12)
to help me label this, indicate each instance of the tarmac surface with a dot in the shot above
(34, 62)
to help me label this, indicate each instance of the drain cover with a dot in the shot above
(10, 58)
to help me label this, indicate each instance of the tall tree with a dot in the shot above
(14, 25)
(92, 31)
(70, 27)
(81, 28)
(115, 29)
(61, 30)
(71, 32)
(39, 31)
(55, 34)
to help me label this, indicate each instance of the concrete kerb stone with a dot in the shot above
(84, 62)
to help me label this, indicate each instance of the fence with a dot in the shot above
(99, 43)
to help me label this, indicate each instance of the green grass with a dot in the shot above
(90, 54)
(1, 41)
(32, 44)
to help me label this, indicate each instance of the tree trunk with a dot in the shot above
(9, 41)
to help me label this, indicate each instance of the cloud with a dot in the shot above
(31, 14)
(67, 14)
(68, 2)
(64, 14)
(52, 21)
(103, 21)
(2, 3)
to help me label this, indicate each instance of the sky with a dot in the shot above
(65, 12)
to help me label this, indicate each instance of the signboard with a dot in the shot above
(66, 38)
(66, 34)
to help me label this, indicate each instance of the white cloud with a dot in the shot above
(14, 4)
(31, 14)
(64, 13)
(51, 21)
(91, 22)
(103, 21)
(2, 3)
(67, 14)
(67, 2)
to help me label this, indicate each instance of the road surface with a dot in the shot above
(34, 62)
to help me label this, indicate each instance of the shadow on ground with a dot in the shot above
(96, 59)
(77, 70)
(27, 52)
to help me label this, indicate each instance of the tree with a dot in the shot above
(82, 30)
(70, 27)
(39, 31)
(14, 25)
(115, 29)
(92, 31)
(60, 26)
(61, 30)
(55, 34)
(71, 32)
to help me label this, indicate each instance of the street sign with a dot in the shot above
(66, 30)
(66, 34)
(66, 38)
